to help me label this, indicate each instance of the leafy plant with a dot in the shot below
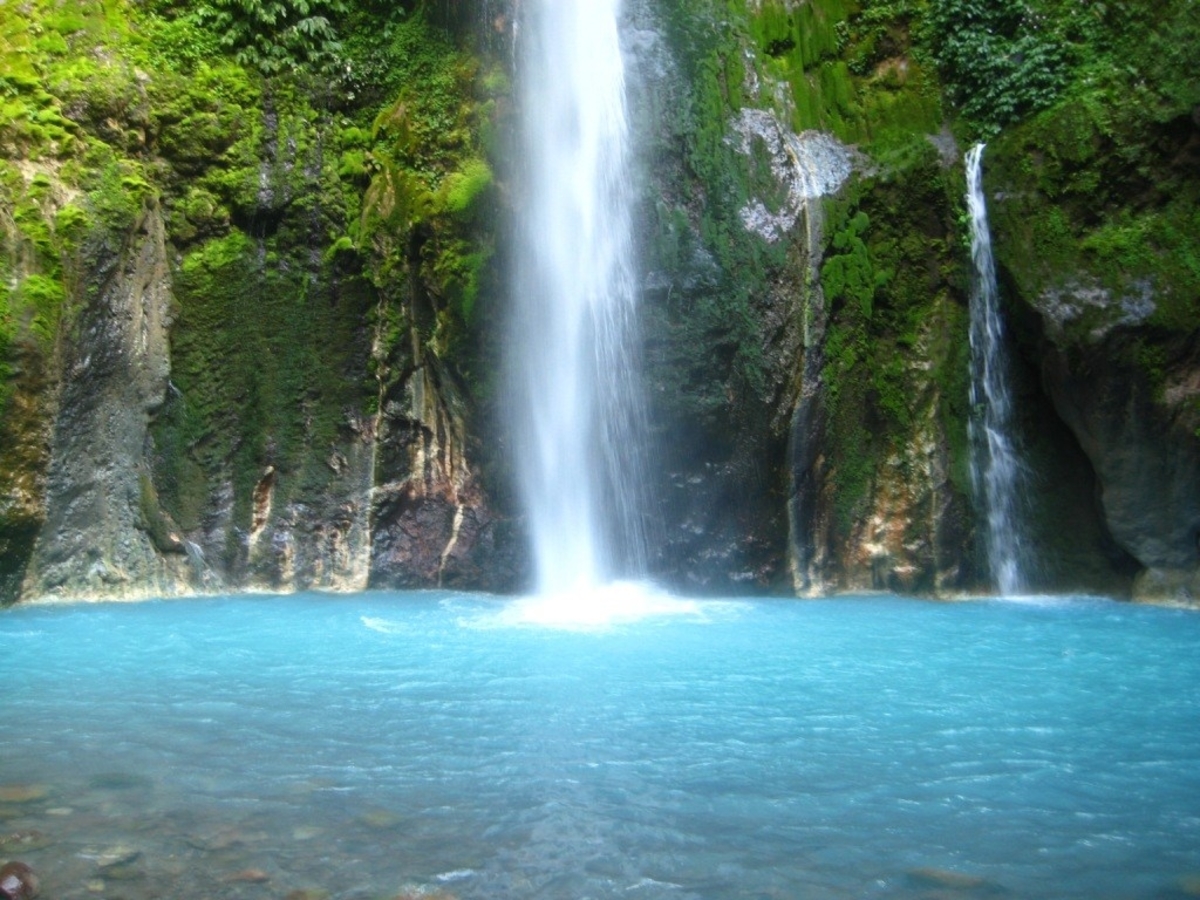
(278, 35)
(997, 57)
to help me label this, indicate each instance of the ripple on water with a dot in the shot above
(438, 743)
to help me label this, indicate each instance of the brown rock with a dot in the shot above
(17, 881)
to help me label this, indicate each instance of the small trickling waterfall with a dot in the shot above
(996, 469)
(579, 423)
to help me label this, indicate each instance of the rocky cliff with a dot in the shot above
(254, 286)
(240, 270)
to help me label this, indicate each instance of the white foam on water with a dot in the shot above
(594, 608)
(383, 626)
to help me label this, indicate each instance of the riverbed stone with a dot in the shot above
(129, 871)
(119, 781)
(380, 819)
(108, 857)
(931, 877)
(25, 841)
(18, 794)
(249, 876)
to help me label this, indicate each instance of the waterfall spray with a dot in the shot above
(579, 423)
(996, 470)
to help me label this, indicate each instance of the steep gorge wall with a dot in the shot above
(1096, 202)
(250, 332)
(234, 340)
(807, 311)
(849, 324)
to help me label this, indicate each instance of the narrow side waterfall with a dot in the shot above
(579, 423)
(996, 469)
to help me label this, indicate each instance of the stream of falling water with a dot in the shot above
(579, 424)
(996, 468)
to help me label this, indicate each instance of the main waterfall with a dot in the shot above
(996, 468)
(579, 425)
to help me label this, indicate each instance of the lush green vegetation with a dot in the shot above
(327, 170)
(323, 172)
(896, 351)
(1104, 193)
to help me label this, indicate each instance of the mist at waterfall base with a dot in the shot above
(394, 745)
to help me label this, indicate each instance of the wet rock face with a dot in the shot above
(432, 523)
(94, 541)
(1143, 446)
(720, 341)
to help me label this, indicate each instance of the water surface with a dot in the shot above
(388, 745)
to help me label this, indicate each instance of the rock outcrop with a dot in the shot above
(98, 536)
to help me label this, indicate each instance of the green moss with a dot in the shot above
(1097, 188)
(892, 278)
(159, 527)
(462, 190)
(267, 360)
(118, 188)
(42, 297)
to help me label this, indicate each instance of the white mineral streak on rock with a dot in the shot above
(1078, 299)
(808, 165)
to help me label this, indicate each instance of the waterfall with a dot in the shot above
(996, 470)
(579, 425)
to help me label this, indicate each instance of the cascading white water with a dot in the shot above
(579, 425)
(996, 469)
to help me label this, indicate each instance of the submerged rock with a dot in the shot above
(249, 876)
(129, 871)
(25, 840)
(23, 793)
(110, 857)
(1189, 885)
(119, 781)
(380, 819)
(950, 880)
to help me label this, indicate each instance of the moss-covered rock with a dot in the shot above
(1094, 203)
(296, 312)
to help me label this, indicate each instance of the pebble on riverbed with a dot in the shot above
(110, 857)
(249, 876)
(17, 881)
